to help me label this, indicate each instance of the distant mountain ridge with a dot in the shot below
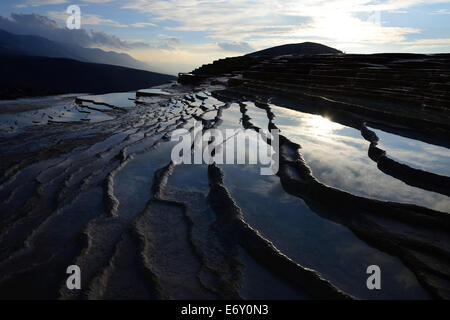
(33, 66)
(24, 75)
(295, 49)
(38, 46)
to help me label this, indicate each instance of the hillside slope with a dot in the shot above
(33, 76)
(38, 46)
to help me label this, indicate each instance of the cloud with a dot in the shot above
(228, 25)
(143, 24)
(442, 11)
(336, 21)
(242, 46)
(86, 19)
(183, 58)
(38, 3)
(34, 24)
(225, 20)
(167, 43)
(421, 44)
(97, 1)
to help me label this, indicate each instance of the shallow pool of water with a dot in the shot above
(338, 156)
(415, 153)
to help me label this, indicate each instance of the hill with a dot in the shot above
(247, 61)
(295, 49)
(24, 75)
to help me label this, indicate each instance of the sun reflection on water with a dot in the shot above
(322, 126)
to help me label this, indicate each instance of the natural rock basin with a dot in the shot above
(338, 157)
(415, 153)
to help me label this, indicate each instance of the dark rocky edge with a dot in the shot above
(263, 251)
(414, 177)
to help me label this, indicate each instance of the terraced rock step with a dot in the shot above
(397, 88)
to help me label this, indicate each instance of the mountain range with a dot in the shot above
(38, 46)
(34, 66)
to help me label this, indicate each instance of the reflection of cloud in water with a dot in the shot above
(259, 184)
(118, 99)
(415, 153)
(338, 157)
(13, 123)
(323, 126)
(330, 248)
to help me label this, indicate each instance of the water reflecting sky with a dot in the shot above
(415, 153)
(338, 157)
(119, 99)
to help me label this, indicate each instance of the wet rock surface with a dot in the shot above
(99, 189)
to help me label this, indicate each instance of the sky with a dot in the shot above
(180, 35)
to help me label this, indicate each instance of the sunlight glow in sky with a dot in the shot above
(179, 35)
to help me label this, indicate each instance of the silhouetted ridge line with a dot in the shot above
(34, 76)
(295, 49)
(33, 45)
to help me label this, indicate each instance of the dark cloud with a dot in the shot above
(35, 24)
(243, 47)
(170, 43)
